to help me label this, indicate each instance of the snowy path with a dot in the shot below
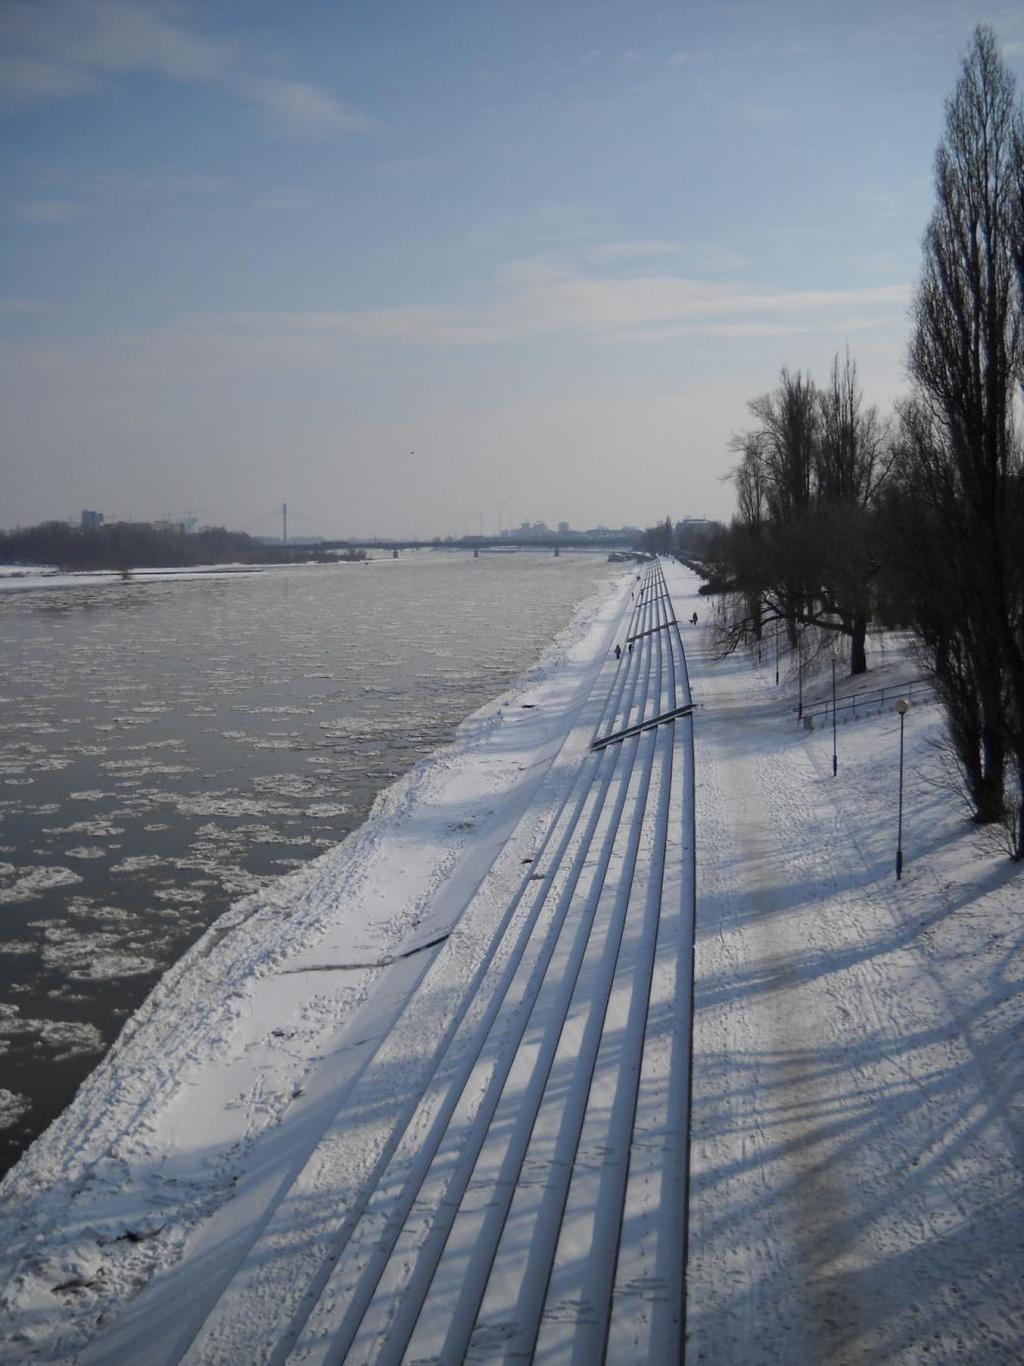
(488, 1159)
(857, 1173)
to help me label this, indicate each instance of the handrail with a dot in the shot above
(869, 697)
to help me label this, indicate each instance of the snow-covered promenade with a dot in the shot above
(857, 1158)
(427, 1099)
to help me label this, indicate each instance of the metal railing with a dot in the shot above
(871, 699)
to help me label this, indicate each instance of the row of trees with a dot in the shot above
(124, 545)
(658, 539)
(807, 486)
(917, 519)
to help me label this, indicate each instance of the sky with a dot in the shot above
(426, 268)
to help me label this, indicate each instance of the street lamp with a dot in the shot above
(902, 706)
(776, 652)
(800, 674)
(834, 651)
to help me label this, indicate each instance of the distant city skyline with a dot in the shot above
(90, 519)
(431, 267)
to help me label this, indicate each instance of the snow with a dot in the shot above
(16, 578)
(857, 1161)
(858, 1157)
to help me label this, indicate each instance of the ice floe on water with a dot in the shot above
(93, 955)
(99, 828)
(61, 1039)
(141, 767)
(13, 1108)
(183, 896)
(228, 804)
(139, 863)
(38, 880)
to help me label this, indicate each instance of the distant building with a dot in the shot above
(91, 521)
(539, 532)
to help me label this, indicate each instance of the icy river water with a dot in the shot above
(166, 747)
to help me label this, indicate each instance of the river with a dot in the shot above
(168, 747)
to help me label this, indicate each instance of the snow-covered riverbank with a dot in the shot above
(21, 578)
(211, 1094)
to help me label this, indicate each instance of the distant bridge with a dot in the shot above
(609, 541)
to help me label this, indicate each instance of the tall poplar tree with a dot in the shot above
(965, 360)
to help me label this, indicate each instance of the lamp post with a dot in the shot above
(834, 651)
(776, 652)
(800, 674)
(902, 706)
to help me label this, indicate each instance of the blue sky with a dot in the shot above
(261, 251)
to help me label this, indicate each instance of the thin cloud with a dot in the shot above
(538, 297)
(300, 108)
(58, 49)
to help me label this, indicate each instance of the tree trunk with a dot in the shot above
(754, 613)
(990, 800)
(858, 651)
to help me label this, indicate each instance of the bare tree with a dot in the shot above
(787, 434)
(852, 455)
(853, 459)
(801, 548)
(658, 539)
